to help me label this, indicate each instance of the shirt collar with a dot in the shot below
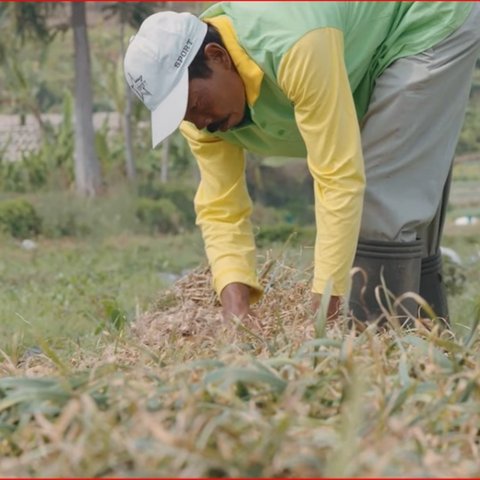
(249, 71)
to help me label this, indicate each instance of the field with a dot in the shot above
(116, 362)
(114, 357)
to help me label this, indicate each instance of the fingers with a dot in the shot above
(235, 299)
(334, 306)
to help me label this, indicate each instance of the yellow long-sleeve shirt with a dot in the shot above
(313, 77)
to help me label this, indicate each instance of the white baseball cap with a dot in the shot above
(156, 66)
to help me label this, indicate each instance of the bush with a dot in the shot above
(180, 195)
(301, 212)
(160, 216)
(19, 218)
(282, 232)
(29, 173)
(262, 215)
(65, 223)
(453, 276)
(64, 214)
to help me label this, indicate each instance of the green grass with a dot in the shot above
(182, 394)
(178, 393)
(464, 199)
(466, 171)
(69, 288)
(105, 373)
(91, 385)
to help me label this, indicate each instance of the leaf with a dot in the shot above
(231, 376)
(403, 371)
(425, 347)
(202, 363)
(400, 398)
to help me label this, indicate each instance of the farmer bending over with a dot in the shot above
(372, 94)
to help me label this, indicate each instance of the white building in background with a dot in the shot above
(17, 138)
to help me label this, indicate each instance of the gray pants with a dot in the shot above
(409, 135)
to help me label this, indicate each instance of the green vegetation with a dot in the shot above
(114, 358)
(285, 233)
(66, 289)
(470, 136)
(160, 215)
(19, 218)
(111, 369)
(86, 259)
(182, 394)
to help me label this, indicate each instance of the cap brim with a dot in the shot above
(169, 114)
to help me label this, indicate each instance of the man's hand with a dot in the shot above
(235, 301)
(333, 307)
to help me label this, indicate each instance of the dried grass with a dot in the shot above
(195, 321)
(184, 394)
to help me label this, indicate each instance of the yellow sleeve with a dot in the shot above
(223, 209)
(313, 76)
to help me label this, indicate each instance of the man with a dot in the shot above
(373, 94)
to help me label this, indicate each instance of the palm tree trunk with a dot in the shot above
(87, 167)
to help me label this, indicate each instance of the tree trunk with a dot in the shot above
(165, 160)
(127, 116)
(87, 167)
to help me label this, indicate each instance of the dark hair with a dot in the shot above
(199, 68)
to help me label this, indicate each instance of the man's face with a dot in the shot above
(216, 102)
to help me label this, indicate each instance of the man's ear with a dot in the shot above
(217, 54)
